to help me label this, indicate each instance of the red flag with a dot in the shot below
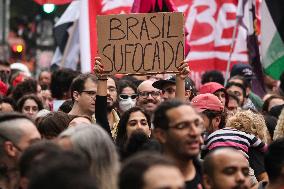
(56, 2)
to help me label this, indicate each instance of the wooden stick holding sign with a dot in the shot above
(141, 43)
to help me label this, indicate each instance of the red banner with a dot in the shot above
(56, 2)
(210, 24)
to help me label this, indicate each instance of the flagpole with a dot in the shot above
(231, 52)
(68, 45)
(239, 13)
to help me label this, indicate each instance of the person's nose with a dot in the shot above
(240, 177)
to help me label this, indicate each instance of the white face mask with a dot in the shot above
(125, 104)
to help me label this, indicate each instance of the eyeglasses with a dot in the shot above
(90, 93)
(188, 125)
(145, 94)
(125, 96)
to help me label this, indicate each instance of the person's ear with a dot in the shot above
(160, 135)
(75, 95)
(10, 149)
(216, 122)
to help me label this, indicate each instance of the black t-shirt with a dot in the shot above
(256, 161)
(192, 184)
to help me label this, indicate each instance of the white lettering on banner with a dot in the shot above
(204, 17)
(218, 27)
(113, 4)
(223, 23)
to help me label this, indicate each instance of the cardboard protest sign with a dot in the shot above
(141, 43)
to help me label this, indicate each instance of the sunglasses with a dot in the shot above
(125, 96)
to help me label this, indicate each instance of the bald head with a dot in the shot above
(148, 96)
(225, 169)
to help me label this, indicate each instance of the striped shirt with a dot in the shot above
(230, 137)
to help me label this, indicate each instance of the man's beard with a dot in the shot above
(112, 106)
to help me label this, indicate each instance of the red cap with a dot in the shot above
(3, 88)
(211, 87)
(207, 101)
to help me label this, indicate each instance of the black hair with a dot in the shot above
(211, 114)
(233, 96)
(122, 124)
(161, 119)
(35, 151)
(274, 160)
(230, 84)
(78, 84)
(268, 100)
(65, 170)
(66, 106)
(22, 101)
(212, 76)
(134, 169)
(60, 82)
(125, 83)
(29, 86)
(10, 101)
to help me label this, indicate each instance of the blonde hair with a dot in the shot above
(249, 122)
(279, 129)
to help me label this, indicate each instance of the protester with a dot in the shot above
(7, 104)
(29, 105)
(60, 83)
(65, 170)
(29, 86)
(252, 123)
(212, 76)
(279, 129)
(132, 120)
(168, 88)
(155, 171)
(127, 93)
(29, 160)
(270, 102)
(274, 164)
(212, 111)
(44, 78)
(216, 89)
(83, 90)
(233, 103)
(226, 169)
(238, 90)
(97, 147)
(178, 128)
(17, 132)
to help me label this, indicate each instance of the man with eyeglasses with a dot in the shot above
(17, 132)
(83, 92)
(178, 127)
(149, 97)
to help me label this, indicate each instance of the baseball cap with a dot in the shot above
(160, 84)
(211, 87)
(206, 101)
(244, 70)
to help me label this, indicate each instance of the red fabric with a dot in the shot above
(210, 87)
(56, 2)
(148, 6)
(20, 78)
(3, 88)
(206, 101)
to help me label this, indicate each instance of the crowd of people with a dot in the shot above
(68, 129)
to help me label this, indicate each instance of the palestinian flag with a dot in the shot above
(272, 42)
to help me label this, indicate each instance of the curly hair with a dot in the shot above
(279, 129)
(249, 122)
